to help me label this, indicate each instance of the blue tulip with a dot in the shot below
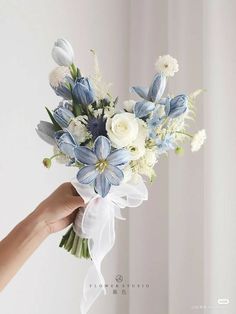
(157, 88)
(65, 142)
(83, 92)
(155, 91)
(143, 108)
(150, 95)
(45, 131)
(63, 90)
(176, 106)
(63, 116)
(102, 165)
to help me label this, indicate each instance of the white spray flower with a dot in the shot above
(198, 140)
(60, 158)
(58, 75)
(78, 130)
(128, 105)
(150, 157)
(167, 65)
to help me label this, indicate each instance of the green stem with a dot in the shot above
(184, 133)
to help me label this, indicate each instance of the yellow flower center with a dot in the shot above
(101, 165)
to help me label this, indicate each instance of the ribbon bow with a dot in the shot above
(96, 222)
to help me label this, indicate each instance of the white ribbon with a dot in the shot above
(96, 222)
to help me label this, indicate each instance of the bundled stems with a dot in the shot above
(74, 244)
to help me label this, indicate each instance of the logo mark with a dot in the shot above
(119, 278)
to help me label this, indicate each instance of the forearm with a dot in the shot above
(19, 245)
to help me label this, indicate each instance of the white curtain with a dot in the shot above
(193, 212)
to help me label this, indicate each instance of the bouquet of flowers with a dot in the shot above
(111, 148)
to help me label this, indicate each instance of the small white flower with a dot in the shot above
(167, 65)
(109, 111)
(122, 129)
(137, 150)
(57, 76)
(61, 158)
(198, 140)
(128, 105)
(150, 157)
(78, 130)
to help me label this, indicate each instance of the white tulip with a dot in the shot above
(62, 52)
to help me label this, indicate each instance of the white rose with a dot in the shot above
(137, 147)
(128, 105)
(122, 129)
(78, 130)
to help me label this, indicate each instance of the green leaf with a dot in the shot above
(54, 122)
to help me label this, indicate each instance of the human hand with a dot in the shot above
(59, 209)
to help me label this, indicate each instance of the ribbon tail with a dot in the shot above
(100, 244)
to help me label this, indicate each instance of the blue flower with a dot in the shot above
(176, 106)
(97, 126)
(166, 144)
(63, 116)
(63, 88)
(143, 108)
(83, 92)
(153, 123)
(65, 142)
(150, 95)
(46, 131)
(102, 165)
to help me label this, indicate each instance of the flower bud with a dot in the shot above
(157, 88)
(63, 116)
(176, 106)
(47, 162)
(83, 91)
(62, 52)
(143, 108)
(179, 150)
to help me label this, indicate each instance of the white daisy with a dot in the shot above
(167, 65)
(198, 140)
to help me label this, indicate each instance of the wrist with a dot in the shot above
(36, 223)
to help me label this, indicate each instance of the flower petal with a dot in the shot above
(143, 108)
(65, 142)
(114, 175)
(157, 88)
(119, 157)
(102, 147)
(85, 155)
(141, 91)
(87, 174)
(102, 185)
